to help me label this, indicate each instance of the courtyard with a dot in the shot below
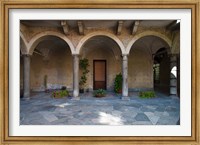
(42, 109)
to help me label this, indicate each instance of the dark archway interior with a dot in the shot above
(161, 70)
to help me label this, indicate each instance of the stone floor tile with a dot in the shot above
(48, 116)
(141, 117)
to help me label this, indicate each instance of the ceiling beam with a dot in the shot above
(119, 27)
(135, 27)
(65, 27)
(81, 27)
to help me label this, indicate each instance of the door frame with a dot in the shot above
(104, 60)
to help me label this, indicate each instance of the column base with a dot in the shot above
(75, 98)
(173, 96)
(125, 98)
(25, 98)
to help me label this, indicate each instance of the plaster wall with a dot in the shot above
(176, 43)
(57, 68)
(140, 70)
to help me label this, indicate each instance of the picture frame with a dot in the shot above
(111, 4)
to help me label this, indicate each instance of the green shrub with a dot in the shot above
(118, 83)
(60, 94)
(147, 94)
(99, 93)
(84, 64)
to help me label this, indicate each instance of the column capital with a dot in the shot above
(173, 58)
(74, 55)
(124, 57)
(26, 55)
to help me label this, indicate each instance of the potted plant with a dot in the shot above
(118, 83)
(99, 93)
(147, 94)
(84, 64)
(60, 94)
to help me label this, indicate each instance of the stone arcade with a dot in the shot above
(146, 52)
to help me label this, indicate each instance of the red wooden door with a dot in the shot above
(99, 78)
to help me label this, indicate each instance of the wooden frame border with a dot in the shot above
(172, 4)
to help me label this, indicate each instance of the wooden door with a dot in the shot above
(99, 74)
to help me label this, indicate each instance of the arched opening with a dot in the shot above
(104, 56)
(51, 64)
(143, 59)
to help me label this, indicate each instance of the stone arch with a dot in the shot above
(100, 33)
(147, 33)
(23, 44)
(39, 37)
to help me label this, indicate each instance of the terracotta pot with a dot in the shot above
(99, 95)
(47, 91)
(119, 91)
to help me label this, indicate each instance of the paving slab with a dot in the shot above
(48, 116)
(141, 117)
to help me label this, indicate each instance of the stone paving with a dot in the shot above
(41, 109)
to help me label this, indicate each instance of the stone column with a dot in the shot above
(125, 78)
(173, 75)
(26, 76)
(76, 77)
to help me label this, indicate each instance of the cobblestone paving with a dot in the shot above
(41, 109)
